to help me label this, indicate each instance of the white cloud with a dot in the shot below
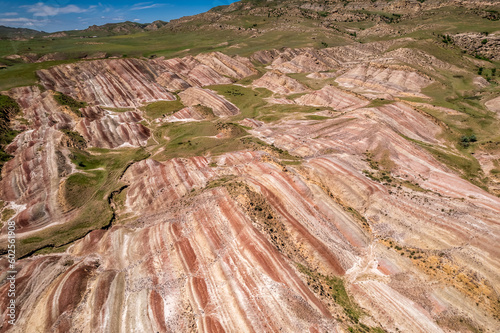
(22, 21)
(137, 20)
(41, 9)
(19, 20)
(9, 14)
(145, 5)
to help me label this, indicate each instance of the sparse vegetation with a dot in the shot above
(162, 108)
(466, 140)
(69, 101)
(75, 138)
(454, 103)
(8, 110)
(87, 192)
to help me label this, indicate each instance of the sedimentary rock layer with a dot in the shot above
(202, 70)
(372, 77)
(279, 83)
(307, 60)
(264, 239)
(113, 83)
(31, 179)
(493, 104)
(219, 105)
(332, 97)
(106, 129)
(190, 113)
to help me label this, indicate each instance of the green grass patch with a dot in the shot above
(119, 109)
(75, 138)
(31, 240)
(340, 296)
(332, 287)
(7, 214)
(467, 166)
(314, 84)
(69, 101)
(379, 102)
(286, 162)
(162, 108)
(316, 117)
(198, 139)
(24, 74)
(8, 110)
(248, 100)
(413, 186)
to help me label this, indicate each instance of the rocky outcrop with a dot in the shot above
(320, 224)
(198, 96)
(393, 80)
(190, 71)
(493, 104)
(415, 57)
(333, 97)
(279, 83)
(321, 75)
(479, 44)
(106, 129)
(30, 181)
(172, 81)
(365, 133)
(308, 60)
(236, 68)
(112, 83)
(191, 113)
(204, 69)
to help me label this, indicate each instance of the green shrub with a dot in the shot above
(8, 109)
(73, 104)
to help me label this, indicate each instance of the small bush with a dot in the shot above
(466, 140)
(8, 109)
(73, 104)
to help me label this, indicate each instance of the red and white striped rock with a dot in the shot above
(371, 77)
(219, 105)
(332, 97)
(236, 68)
(186, 114)
(279, 83)
(112, 83)
(112, 129)
(30, 180)
(493, 104)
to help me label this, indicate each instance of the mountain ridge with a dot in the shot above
(257, 169)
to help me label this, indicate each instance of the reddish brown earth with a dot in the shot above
(332, 97)
(31, 179)
(190, 113)
(205, 97)
(107, 129)
(279, 83)
(393, 80)
(112, 83)
(263, 238)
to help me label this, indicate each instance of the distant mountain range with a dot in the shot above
(109, 29)
(15, 33)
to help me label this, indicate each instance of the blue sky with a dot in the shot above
(60, 15)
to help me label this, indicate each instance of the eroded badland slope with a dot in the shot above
(308, 188)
